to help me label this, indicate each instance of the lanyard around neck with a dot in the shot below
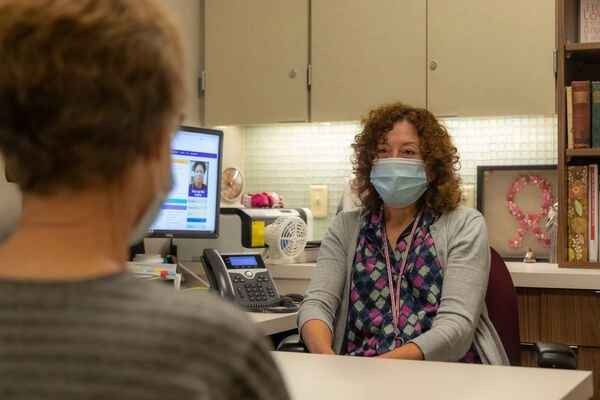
(395, 293)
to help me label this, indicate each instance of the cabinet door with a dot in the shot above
(365, 53)
(571, 317)
(186, 15)
(492, 57)
(256, 59)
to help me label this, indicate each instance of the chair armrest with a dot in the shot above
(554, 355)
(292, 343)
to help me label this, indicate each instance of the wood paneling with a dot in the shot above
(565, 316)
(527, 358)
(570, 316)
(588, 359)
(528, 301)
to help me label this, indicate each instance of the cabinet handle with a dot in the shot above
(309, 75)
(433, 65)
(202, 86)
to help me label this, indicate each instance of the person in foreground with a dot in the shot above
(91, 92)
(406, 275)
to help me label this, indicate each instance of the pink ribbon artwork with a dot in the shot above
(529, 221)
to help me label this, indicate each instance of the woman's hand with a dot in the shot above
(409, 351)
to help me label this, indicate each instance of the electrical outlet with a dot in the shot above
(318, 201)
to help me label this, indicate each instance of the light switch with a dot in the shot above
(318, 201)
(468, 196)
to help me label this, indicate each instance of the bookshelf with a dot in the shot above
(575, 61)
(554, 306)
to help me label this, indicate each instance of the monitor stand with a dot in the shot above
(189, 277)
(137, 249)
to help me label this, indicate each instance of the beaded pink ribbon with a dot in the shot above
(529, 221)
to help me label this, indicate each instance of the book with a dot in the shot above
(580, 96)
(589, 21)
(569, 101)
(593, 212)
(595, 113)
(577, 212)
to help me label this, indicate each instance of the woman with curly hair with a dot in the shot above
(406, 275)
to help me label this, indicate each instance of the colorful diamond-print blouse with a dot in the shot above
(370, 329)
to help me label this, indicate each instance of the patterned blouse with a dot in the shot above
(370, 329)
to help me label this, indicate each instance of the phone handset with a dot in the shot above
(217, 274)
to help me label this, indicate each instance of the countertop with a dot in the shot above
(325, 377)
(536, 275)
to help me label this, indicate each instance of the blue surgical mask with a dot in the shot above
(399, 181)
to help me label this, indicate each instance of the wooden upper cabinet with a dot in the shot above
(365, 53)
(491, 57)
(256, 59)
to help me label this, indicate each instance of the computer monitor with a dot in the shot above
(192, 207)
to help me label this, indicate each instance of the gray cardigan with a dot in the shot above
(461, 241)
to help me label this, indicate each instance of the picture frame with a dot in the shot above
(515, 200)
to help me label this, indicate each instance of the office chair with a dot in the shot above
(501, 303)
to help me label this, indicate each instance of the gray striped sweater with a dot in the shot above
(118, 337)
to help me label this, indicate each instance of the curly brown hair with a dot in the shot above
(439, 155)
(84, 87)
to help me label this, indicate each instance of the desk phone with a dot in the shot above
(244, 278)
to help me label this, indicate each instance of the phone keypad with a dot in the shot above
(256, 290)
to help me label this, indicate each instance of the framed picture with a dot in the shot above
(515, 200)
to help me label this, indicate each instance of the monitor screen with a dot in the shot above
(192, 207)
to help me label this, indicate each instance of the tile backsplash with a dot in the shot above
(288, 158)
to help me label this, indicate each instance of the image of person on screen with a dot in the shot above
(91, 94)
(198, 187)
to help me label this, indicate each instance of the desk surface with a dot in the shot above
(320, 377)
(270, 324)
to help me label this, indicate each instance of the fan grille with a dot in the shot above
(286, 236)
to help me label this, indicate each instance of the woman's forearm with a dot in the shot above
(317, 337)
(409, 351)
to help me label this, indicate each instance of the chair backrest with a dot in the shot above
(501, 302)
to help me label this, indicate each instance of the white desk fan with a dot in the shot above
(286, 238)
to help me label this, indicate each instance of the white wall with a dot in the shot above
(288, 158)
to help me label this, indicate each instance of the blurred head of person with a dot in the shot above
(90, 92)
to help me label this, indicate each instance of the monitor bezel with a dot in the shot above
(192, 234)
